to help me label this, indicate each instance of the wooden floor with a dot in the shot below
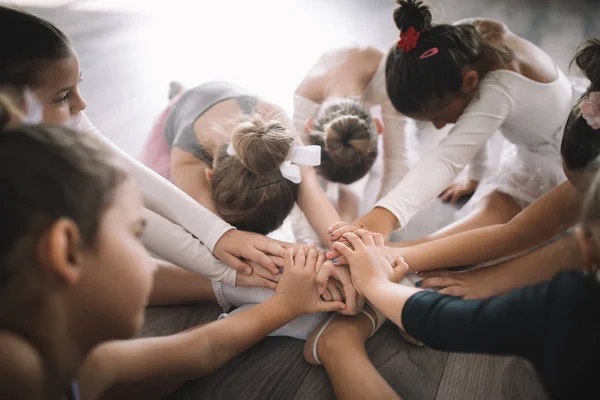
(130, 50)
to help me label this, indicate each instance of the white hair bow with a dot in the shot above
(35, 110)
(300, 155)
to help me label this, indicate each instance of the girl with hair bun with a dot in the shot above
(179, 229)
(238, 155)
(75, 276)
(481, 77)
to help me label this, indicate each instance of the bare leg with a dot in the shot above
(497, 208)
(174, 285)
(341, 349)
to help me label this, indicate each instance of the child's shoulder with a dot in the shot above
(21, 368)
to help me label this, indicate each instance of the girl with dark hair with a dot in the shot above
(481, 77)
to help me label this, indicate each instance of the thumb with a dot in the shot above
(329, 306)
(401, 266)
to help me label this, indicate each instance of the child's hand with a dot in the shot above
(367, 261)
(298, 284)
(261, 277)
(341, 275)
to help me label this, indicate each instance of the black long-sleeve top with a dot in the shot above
(555, 325)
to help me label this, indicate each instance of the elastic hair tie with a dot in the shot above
(431, 52)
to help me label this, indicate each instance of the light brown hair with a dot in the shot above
(248, 189)
(347, 134)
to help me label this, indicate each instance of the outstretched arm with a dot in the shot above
(170, 202)
(315, 205)
(153, 367)
(553, 213)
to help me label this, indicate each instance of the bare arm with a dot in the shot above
(532, 268)
(151, 368)
(175, 285)
(315, 205)
(554, 212)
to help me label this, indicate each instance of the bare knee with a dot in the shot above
(502, 205)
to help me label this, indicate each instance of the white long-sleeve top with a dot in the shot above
(528, 113)
(179, 229)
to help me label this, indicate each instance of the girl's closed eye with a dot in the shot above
(64, 98)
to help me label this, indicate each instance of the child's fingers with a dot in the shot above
(300, 259)
(343, 250)
(320, 261)
(341, 260)
(365, 236)
(354, 241)
(337, 226)
(237, 264)
(401, 265)
(311, 258)
(331, 306)
(323, 276)
(333, 254)
(335, 235)
(378, 239)
(326, 295)
(288, 258)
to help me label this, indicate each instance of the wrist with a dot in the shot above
(372, 284)
(384, 221)
(284, 306)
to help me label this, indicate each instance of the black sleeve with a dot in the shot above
(523, 322)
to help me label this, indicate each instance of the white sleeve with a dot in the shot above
(303, 110)
(176, 245)
(395, 128)
(166, 199)
(480, 120)
(478, 166)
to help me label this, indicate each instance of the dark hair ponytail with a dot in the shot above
(413, 82)
(580, 143)
(27, 43)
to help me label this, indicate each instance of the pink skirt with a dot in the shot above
(156, 153)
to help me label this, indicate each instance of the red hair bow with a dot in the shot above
(408, 39)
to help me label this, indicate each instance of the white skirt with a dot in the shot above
(524, 174)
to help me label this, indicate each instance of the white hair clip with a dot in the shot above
(35, 110)
(300, 155)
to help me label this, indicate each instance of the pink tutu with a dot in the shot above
(156, 153)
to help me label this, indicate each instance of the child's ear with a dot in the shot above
(59, 251)
(379, 124)
(587, 245)
(308, 125)
(470, 81)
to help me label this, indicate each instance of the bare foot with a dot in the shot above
(342, 331)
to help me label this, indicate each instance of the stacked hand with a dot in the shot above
(366, 256)
(298, 287)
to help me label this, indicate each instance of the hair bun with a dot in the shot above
(347, 138)
(262, 146)
(412, 13)
(588, 60)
